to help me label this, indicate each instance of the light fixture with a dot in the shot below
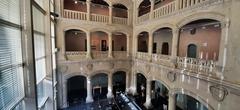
(75, 1)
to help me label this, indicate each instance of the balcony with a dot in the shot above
(206, 67)
(82, 55)
(175, 7)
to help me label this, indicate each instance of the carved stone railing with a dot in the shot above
(120, 54)
(164, 10)
(196, 65)
(99, 54)
(74, 14)
(143, 18)
(162, 59)
(75, 55)
(143, 56)
(174, 7)
(99, 18)
(119, 20)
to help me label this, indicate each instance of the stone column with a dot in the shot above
(110, 13)
(110, 45)
(128, 45)
(152, 9)
(110, 94)
(134, 84)
(150, 45)
(65, 102)
(171, 101)
(89, 90)
(88, 9)
(127, 83)
(129, 17)
(148, 103)
(175, 33)
(89, 45)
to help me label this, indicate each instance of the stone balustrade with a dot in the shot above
(75, 55)
(119, 20)
(162, 59)
(120, 54)
(71, 14)
(143, 56)
(174, 7)
(143, 18)
(196, 65)
(74, 14)
(99, 18)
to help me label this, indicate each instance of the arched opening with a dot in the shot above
(119, 42)
(144, 7)
(76, 90)
(99, 86)
(159, 95)
(165, 48)
(99, 7)
(75, 40)
(141, 89)
(206, 34)
(192, 51)
(120, 10)
(143, 42)
(119, 82)
(162, 41)
(186, 102)
(76, 5)
(99, 41)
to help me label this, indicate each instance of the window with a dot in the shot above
(11, 70)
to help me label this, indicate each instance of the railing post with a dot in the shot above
(152, 9)
(177, 5)
(110, 45)
(88, 10)
(110, 13)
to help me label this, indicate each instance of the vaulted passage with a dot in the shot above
(77, 90)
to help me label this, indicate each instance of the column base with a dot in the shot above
(148, 104)
(89, 57)
(109, 95)
(89, 99)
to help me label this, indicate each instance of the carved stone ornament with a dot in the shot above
(218, 92)
(171, 76)
(111, 65)
(90, 67)
(63, 69)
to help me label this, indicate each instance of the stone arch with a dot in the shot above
(100, 29)
(192, 94)
(75, 27)
(165, 25)
(121, 69)
(121, 31)
(139, 2)
(202, 15)
(99, 71)
(142, 30)
(143, 73)
(66, 77)
(163, 83)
